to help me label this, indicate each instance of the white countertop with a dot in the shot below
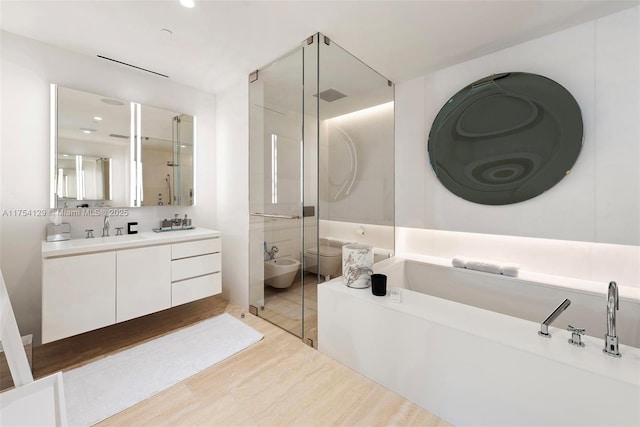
(127, 241)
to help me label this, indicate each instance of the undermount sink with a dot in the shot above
(82, 245)
(126, 237)
(110, 239)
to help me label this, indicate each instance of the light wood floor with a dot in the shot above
(290, 310)
(279, 381)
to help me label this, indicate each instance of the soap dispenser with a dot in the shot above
(132, 227)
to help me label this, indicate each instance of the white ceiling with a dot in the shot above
(217, 43)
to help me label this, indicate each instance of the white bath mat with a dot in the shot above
(107, 386)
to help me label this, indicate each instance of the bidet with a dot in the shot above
(280, 272)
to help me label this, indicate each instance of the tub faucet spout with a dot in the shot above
(544, 326)
(611, 339)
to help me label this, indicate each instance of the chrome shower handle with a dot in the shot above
(576, 330)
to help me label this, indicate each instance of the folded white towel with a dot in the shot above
(386, 253)
(510, 270)
(460, 262)
(507, 269)
(484, 266)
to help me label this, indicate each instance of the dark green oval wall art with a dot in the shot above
(506, 138)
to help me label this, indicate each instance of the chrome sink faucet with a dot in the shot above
(105, 225)
(270, 252)
(611, 339)
(273, 252)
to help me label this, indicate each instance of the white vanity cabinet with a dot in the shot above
(195, 270)
(91, 283)
(78, 294)
(143, 281)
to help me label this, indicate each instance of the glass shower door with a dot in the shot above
(276, 159)
(183, 143)
(321, 152)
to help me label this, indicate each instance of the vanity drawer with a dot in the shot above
(195, 266)
(196, 288)
(199, 247)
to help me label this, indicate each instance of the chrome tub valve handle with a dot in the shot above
(576, 336)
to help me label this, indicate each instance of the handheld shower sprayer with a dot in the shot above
(168, 180)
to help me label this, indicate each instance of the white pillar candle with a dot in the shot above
(357, 261)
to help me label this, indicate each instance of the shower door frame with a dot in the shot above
(304, 220)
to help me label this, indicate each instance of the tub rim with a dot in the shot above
(505, 330)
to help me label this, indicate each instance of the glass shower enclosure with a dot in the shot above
(321, 174)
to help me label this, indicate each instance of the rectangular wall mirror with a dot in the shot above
(167, 157)
(111, 152)
(83, 177)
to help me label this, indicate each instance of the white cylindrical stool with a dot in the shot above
(357, 261)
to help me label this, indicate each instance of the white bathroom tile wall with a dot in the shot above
(286, 236)
(378, 236)
(619, 263)
(557, 56)
(411, 158)
(369, 201)
(310, 229)
(370, 197)
(576, 260)
(590, 204)
(617, 128)
(586, 227)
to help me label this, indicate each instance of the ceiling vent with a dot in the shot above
(133, 66)
(115, 135)
(330, 95)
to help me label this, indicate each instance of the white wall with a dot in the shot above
(598, 203)
(370, 199)
(232, 171)
(28, 67)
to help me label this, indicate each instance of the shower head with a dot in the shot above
(330, 95)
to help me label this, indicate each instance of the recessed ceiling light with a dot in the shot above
(87, 130)
(187, 3)
(97, 118)
(183, 146)
(112, 101)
